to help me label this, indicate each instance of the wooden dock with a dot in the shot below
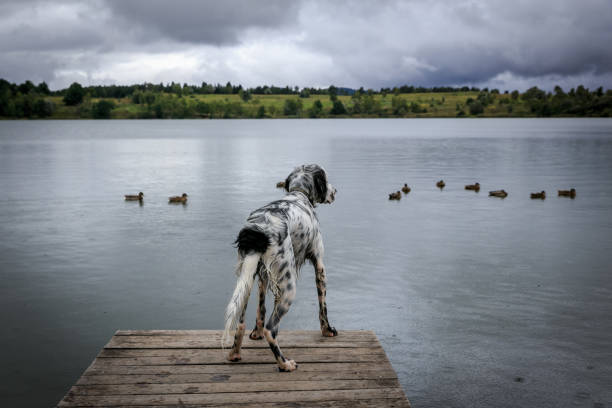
(188, 368)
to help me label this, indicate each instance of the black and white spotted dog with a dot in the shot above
(273, 245)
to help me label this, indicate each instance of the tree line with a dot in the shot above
(173, 100)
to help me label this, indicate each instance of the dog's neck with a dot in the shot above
(302, 192)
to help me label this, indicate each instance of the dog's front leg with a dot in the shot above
(326, 328)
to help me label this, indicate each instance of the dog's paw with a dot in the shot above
(287, 366)
(329, 331)
(233, 356)
(256, 335)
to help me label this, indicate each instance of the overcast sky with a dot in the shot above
(501, 44)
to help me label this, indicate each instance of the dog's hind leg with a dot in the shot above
(321, 281)
(257, 333)
(287, 274)
(234, 354)
(238, 305)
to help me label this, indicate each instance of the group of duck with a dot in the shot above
(495, 193)
(182, 199)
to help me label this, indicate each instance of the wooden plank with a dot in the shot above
(298, 375)
(214, 353)
(379, 403)
(240, 368)
(216, 334)
(212, 388)
(186, 342)
(220, 359)
(232, 398)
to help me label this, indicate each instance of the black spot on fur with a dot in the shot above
(252, 239)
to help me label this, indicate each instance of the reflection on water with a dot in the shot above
(478, 301)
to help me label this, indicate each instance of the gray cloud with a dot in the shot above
(205, 22)
(316, 43)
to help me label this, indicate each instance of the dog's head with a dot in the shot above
(311, 180)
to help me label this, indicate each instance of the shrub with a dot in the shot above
(102, 109)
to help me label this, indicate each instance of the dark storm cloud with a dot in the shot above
(205, 22)
(458, 42)
(309, 43)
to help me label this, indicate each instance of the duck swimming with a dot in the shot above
(498, 193)
(567, 193)
(475, 187)
(395, 196)
(406, 189)
(178, 199)
(440, 184)
(541, 195)
(134, 197)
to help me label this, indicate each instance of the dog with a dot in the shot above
(275, 242)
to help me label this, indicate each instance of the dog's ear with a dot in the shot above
(287, 181)
(320, 184)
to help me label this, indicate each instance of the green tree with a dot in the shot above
(338, 108)
(43, 108)
(476, 108)
(292, 107)
(245, 95)
(43, 88)
(261, 112)
(102, 109)
(74, 94)
(26, 87)
(399, 106)
(316, 109)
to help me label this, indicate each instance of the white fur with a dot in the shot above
(247, 267)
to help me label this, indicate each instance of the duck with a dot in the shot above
(541, 195)
(178, 199)
(498, 193)
(134, 197)
(567, 193)
(440, 184)
(475, 187)
(395, 196)
(280, 184)
(406, 189)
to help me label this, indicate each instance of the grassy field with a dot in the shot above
(431, 105)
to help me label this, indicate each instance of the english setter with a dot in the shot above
(273, 245)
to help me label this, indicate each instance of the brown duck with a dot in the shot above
(395, 196)
(440, 184)
(280, 184)
(178, 199)
(567, 193)
(498, 193)
(474, 187)
(406, 189)
(541, 195)
(134, 197)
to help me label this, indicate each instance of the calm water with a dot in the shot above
(467, 293)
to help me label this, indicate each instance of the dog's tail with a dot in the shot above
(252, 242)
(246, 268)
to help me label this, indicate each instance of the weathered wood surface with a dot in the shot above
(188, 368)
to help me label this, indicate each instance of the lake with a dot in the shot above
(478, 301)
